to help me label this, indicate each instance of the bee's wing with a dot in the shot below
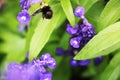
(36, 12)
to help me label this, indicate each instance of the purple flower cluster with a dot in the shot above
(80, 35)
(34, 70)
(23, 16)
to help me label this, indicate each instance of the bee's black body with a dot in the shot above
(47, 12)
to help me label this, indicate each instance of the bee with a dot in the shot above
(46, 11)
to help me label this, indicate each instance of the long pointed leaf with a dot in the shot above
(110, 14)
(43, 32)
(87, 3)
(67, 7)
(112, 71)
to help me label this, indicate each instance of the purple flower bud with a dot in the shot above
(35, 1)
(21, 28)
(72, 30)
(23, 17)
(79, 12)
(91, 27)
(75, 42)
(39, 65)
(25, 4)
(85, 22)
(73, 62)
(51, 63)
(60, 51)
(45, 57)
(84, 62)
(46, 76)
(22, 2)
(98, 60)
(84, 29)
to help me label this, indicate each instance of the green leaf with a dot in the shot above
(112, 71)
(67, 7)
(86, 3)
(103, 43)
(110, 14)
(62, 71)
(30, 32)
(64, 43)
(96, 9)
(13, 45)
(43, 31)
(46, 1)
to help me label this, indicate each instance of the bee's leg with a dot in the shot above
(36, 12)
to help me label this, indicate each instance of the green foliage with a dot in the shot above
(63, 71)
(46, 35)
(96, 9)
(67, 7)
(44, 29)
(109, 15)
(112, 71)
(86, 3)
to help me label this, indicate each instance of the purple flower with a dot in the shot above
(35, 1)
(79, 11)
(45, 57)
(51, 63)
(46, 76)
(34, 70)
(72, 30)
(23, 17)
(25, 4)
(73, 62)
(75, 42)
(80, 35)
(60, 51)
(84, 62)
(22, 27)
(98, 60)
(87, 31)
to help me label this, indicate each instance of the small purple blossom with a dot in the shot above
(45, 57)
(23, 17)
(34, 70)
(79, 11)
(73, 62)
(25, 5)
(84, 62)
(51, 63)
(98, 60)
(75, 42)
(70, 30)
(85, 22)
(22, 27)
(60, 51)
(46, 76)
(35, 1)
